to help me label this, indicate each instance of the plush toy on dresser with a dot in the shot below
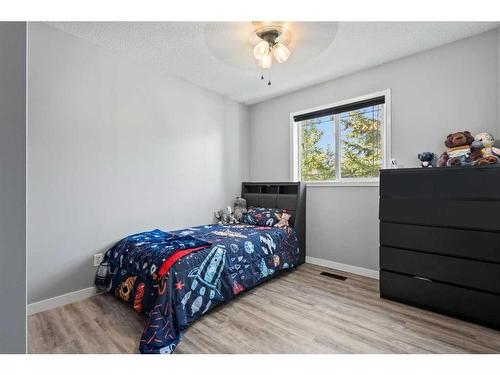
(426, 159)
(486, 144)
(457, 149)
(464, 149)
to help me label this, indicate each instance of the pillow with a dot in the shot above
(266, 217)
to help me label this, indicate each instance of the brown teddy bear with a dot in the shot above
(458, 149)
(464, 149)
(459, 139)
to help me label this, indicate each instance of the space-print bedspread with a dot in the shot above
(175, 277)
(241, 256)
(131, 269)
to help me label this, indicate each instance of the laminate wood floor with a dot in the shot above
(297, 312)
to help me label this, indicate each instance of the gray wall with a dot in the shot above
(117, 148)
(451, 88)
(13, 187)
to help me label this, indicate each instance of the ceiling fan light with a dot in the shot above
(261, 49)
(281, 52)
(266, 61)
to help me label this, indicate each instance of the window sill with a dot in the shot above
(345, 183)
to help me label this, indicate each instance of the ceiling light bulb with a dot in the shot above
(281, 52)
(261, 49)
(266, 61)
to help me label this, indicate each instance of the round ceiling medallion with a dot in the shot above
(233, 42)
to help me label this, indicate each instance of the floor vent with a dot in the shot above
(333, 275)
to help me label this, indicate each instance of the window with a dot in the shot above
(343, 142)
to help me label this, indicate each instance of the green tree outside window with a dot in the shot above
(360, 153)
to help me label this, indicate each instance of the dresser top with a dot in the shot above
(439, 170)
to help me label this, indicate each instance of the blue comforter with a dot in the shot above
(228, 260)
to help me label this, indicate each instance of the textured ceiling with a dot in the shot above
(211, 56)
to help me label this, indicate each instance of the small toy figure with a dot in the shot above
(426, 158)
(225, 216)
(395, 164)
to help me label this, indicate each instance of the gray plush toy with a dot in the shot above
(240, 208)
(225, 216)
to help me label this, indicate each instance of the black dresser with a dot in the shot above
(440, 240)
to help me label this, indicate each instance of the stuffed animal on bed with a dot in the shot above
(225, 216)
(240, 208)
(283, 220)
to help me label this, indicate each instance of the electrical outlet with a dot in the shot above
(98, 259)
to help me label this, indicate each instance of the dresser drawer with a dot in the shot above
(455, 242)
(463, 272)
(468, 214)
(480, 307)
(456, 183)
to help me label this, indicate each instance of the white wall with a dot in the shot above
(450, 88)
(117, 148)
(13, 187)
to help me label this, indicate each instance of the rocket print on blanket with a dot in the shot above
(206, 283)
(267, 244)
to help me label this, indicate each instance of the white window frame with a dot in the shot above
(386, 142)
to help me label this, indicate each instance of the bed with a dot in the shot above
(175, 277)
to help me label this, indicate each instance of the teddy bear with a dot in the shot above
(484, 150)
(458, 144)
(488, 148)
(225, 216)
(426, 158)
(458, 139)
(486, 139)
(240, 208)
(458, 149)
(463, 149)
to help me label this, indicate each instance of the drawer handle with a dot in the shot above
(422, 278)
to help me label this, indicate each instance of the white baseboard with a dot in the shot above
(51, 303)
(343, 267)
(65, 299)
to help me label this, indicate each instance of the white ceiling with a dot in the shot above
(209, 54)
